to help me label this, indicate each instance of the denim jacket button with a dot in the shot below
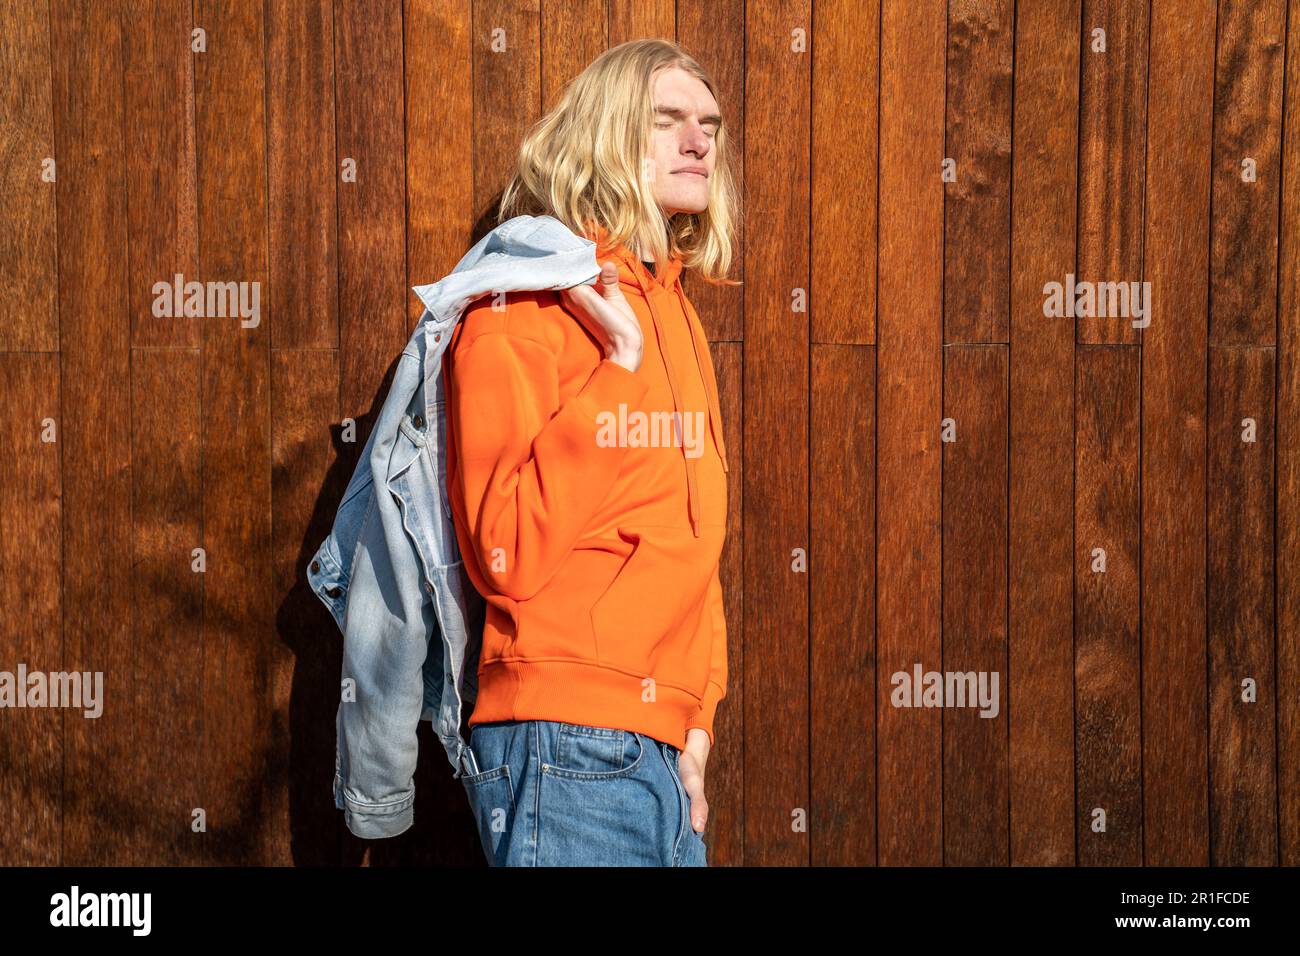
(334, 592)
(417, 420)
(315, 567)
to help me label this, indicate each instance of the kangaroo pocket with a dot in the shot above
(651, 619)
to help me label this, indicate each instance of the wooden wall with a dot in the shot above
(883, 311)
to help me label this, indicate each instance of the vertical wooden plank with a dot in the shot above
(775, 438)
(1174, 715)
(28, 263)
(302, 174)
(713, 31)
(1041, 577)
(32, 746)
(374, 323)
(237, 612)
(977, 205)
(440, 214)
(633, 19)
(725, 784)
(160, 165)
(439, 135)
(910, 361)
(975, 739)
(573, 33)
(846, 114)
(162, 785)
(1239, 570)
(1288, 464)
(1112, 150)
(1247, 126)
(507, 92)
(842, 518)
(304, 679)
(94, 333)
(1107, 661)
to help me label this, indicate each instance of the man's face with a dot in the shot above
(681, 142)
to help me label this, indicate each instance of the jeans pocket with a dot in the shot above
(492, 801)
(583, 752)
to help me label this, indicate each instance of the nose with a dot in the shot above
(697, 141)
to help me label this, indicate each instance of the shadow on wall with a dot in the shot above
(444, 832)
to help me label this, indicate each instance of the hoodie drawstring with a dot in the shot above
(706, 372)
(699, 346)
(692, 493)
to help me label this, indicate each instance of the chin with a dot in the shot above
(690, 205)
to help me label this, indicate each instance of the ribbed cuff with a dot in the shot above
(703, 719)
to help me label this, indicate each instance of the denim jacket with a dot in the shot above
(391, 572)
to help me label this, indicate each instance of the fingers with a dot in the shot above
(693, 784)
(699, 809)
(609, 279)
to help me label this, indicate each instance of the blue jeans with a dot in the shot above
(549, 793)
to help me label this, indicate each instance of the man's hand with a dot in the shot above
(608, 316)
(690, 767)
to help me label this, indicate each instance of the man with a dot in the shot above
(586, 472)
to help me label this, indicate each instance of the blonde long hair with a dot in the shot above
(584, 162)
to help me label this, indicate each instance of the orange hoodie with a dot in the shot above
(592, 525)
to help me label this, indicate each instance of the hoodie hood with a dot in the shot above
(659, 291)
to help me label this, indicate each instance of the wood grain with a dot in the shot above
(33, 794)
(977, 206)
(1287, 489)
(774, 481)
(238, 613)
(1174, 705)
(908, 408)
(303, 175)
(1112, 150)
(976, 807)
(845, 151)
(1247, 126)
(1040, 577)
(1107, 657)
(28, 265)
(842, 519)
(94, 430)
(1240, 607)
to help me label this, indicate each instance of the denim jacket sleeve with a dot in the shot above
(369, 576)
